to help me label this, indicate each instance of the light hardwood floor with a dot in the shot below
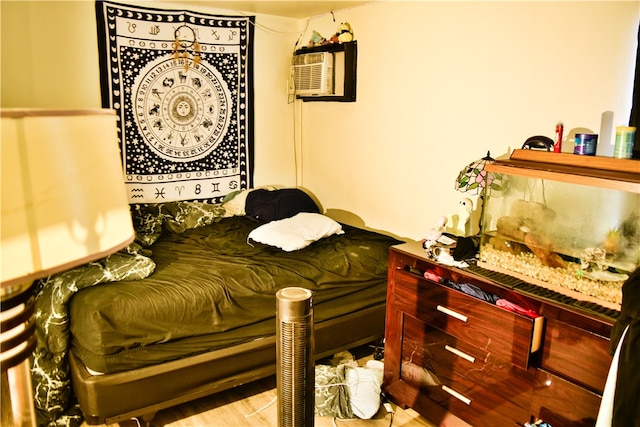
(254, 405)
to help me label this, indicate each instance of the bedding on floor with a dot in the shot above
(192, 282)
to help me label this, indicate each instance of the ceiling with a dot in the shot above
(288, 8)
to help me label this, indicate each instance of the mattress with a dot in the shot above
(212, 288)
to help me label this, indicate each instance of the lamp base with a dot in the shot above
(18, 341)
(17, 397)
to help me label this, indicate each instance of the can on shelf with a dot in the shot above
(585, 144)
(625, 137)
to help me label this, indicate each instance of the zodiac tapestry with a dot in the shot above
(182, 85)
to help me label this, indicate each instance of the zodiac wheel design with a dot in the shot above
(182, 112)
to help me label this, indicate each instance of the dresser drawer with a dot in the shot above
(579, 355)
(561, 403)
(430, 356)
(509, 336)
(478, 405)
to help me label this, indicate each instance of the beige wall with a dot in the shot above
(439, 84)
(50, 59)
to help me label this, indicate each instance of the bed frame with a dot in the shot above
(141, 393)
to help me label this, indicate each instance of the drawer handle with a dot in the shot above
(452, 313)
(459, 353)
(457, 395)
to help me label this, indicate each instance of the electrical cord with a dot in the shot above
(387, 406)
(263, 408)
(389, 409)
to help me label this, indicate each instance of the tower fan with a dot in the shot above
(295, 376)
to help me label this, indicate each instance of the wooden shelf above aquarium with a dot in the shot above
(606, 172)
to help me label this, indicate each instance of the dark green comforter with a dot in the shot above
(50, 366)
(207, 280)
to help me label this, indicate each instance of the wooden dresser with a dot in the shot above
(458, 359)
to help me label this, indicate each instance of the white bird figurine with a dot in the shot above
(464, 215)
(435, 233)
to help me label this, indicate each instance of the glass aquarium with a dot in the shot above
(564, 222)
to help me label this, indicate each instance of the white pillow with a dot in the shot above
(296, 232)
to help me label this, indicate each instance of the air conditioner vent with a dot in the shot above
(313, 73)
(309, 58)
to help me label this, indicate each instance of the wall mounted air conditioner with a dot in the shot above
(313, 73)
(325, 73)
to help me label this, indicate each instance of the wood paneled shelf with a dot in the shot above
(605, 172)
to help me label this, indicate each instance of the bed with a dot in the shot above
(189, 309)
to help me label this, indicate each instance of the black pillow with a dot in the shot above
(264, 205)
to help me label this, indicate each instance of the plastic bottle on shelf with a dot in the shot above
(625, 137)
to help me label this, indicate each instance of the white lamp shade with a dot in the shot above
(64, 201)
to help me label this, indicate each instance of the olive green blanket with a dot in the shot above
(50, 366)
(191, 283)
